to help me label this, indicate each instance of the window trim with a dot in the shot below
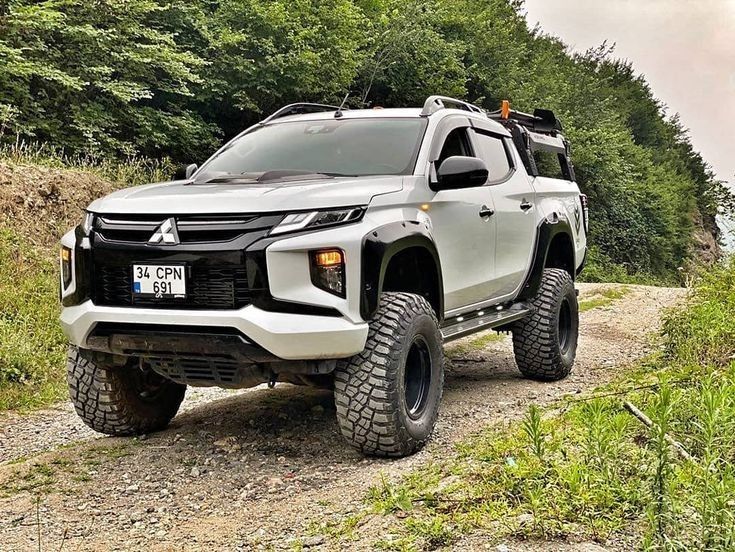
(442, 131)
(508, 154)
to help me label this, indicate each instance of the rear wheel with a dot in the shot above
(121, 400)
(545, 344)
(387, 397)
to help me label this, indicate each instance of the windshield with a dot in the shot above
(349, 147)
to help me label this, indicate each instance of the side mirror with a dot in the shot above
(184, 172)
(459, 172)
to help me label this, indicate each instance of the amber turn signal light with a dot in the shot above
(332, 257)
(65, 258)
(328, 270)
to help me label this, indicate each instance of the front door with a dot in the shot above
(464, 231)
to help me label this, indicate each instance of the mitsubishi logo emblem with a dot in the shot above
(166, 233)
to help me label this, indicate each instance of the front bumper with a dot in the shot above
(287, 336)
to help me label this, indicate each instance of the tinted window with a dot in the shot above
(492, 151)
(548, 164)
(456, 143)
(357, 147)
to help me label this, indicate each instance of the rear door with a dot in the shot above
(514, 199)
(463, 228)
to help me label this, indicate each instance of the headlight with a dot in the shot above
(317, 219)
(328, 270)
(87, 223)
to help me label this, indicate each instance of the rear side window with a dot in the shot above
(493, 152)
(549, 164)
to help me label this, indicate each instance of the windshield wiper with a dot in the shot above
(228, 178)
(268, 176)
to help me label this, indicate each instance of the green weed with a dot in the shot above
(131, 171)
(476, 344)
(32, 346)
(602, 298)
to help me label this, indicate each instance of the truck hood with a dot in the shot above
(182, 197)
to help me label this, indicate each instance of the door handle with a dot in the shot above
(525, 205)
(485, 211)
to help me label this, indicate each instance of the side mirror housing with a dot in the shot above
(184, 172)
(459, 172)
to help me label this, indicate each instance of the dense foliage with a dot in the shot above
(174, 78)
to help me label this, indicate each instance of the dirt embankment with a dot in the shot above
(260, 468)
(40, 203)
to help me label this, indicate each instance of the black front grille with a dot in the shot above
(189, 228)
(220, 275)
(207, 287)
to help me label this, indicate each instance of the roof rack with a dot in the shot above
(298, 108)
(542, 121)
(435, 103)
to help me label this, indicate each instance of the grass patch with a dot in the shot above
(32, 346)
(473, 345)
(602, 298)
(132, 171)
(49, 473)
(588, 469)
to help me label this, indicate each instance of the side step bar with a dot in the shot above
(483, 319)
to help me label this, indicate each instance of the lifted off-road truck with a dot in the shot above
(335, 248)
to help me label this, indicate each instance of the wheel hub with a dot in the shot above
(417, 377)
(565, 326)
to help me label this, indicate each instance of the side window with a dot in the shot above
(493, 152)
(549, 164)
(456, 143)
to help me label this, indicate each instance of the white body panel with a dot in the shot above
(289, 336)
(466, 244)
(515, 239)
(561, 198)
(180, 197)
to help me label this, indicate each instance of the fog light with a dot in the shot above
(328, 271)
(65, 260)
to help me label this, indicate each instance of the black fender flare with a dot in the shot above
(546, 231)
(379, 247)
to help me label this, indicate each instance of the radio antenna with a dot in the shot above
(339, 113)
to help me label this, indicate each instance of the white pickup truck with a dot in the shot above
(329, 247)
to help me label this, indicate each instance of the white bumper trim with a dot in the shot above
(288, 336)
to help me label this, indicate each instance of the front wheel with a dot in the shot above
(121, 400)
(545, 343)
(387, 397)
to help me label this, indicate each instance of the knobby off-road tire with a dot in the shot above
(545, 343)
(388, 396)
(121, 400)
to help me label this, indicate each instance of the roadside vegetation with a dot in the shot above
(32, 347)
(589, 469)
(42, 194)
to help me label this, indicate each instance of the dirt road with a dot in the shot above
(260, 468)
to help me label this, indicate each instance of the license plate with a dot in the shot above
(159, 281)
